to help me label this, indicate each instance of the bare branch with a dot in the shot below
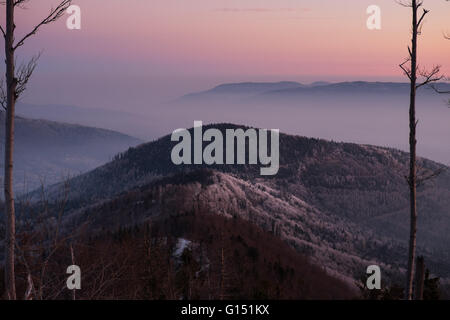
(404, 3)
(422, 17)
(430, 76)
(54, 15)
(433, 86)
(422, 178)
(20, 3)
(406, 70)
(437, 90)
(3, 32)
(24, 73)
(3, 100)
(408, 4)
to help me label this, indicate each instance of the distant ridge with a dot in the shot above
(48, 151)
(245, 88)
(262, 90)
(121, 121)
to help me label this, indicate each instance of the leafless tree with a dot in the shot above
(414, 73)
(14, 86)
(446, 36)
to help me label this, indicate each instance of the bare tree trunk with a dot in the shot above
(420, 278)
(11, 84)
(412, 154)
(15, 85)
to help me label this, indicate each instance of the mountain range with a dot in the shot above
(345, 205)
(288, 89)
(361, 112)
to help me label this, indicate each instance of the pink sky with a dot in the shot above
(175, 46)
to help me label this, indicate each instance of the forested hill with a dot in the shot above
(346, 203)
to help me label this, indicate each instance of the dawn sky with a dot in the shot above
(140, 52)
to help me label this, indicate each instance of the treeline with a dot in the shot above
(225, 259)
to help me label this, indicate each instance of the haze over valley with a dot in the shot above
(361, 112)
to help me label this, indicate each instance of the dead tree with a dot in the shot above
(420, 278)
(14, 86)
(413, 72)
(446, 36)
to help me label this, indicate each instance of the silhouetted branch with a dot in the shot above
(20, 3)
(406, 70)
(424, 13)
(439, 91)
(408, 4)
(24, 73)
(2, 94)
(430, 76)
(17, 3)
(54, 15)
(421, 179)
